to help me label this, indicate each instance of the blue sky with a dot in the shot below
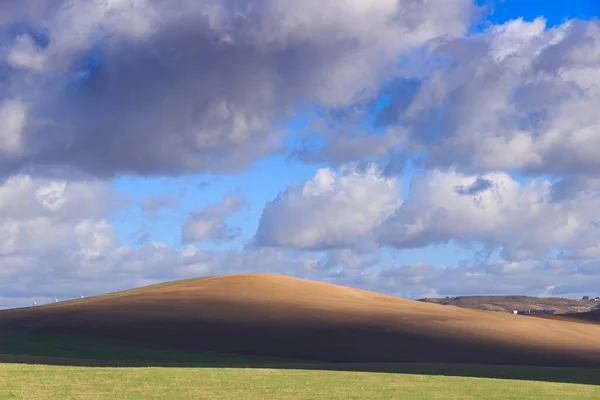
(204, 130)
(266, 178)
(555, 11)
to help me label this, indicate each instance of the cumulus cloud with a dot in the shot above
(209, 222)
(145, 87)
(364, 209)
(517, 96)
(47, 251)
(350, 261)
(494, 208)
(105, 88)
(549, 278)
(50, 230)
(121, 267)
(24, 197)
(330, 210)
(41, 216)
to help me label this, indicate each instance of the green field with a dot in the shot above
(44, 366)
(19, 381)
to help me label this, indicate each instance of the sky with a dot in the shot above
(415, 148)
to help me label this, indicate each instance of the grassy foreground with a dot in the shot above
(55, 366)
(18, 381)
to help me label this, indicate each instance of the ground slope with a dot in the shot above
(270, 315)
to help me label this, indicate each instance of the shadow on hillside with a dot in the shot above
(589, 376)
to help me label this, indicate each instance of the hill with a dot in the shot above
(277, 316)
(592, 317)
(509, 303)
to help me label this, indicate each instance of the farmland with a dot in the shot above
(267, 336)
(19, 381)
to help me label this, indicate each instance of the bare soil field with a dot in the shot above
(277, 316)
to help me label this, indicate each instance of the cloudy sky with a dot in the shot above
(412, 147)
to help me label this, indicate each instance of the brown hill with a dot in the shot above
(280, 316)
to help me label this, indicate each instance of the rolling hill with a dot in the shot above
(510, 303)
(277, 316)
(592, 317)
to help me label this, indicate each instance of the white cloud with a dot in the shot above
(25, 54)
(517, 96)
(142, 87)
(38, 215)
(209, 222)
(23, 197)
(13, 115)
(332, 209)
(515, 38)
(496, 209)
(122, 267)
(351, 259)
(553, 278)
(47, 253)
(94, 238)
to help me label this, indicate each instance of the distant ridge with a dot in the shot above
(514, 302)
(280, 316)
(592, 317)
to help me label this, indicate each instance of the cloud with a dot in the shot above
(343, 139)
(330, 210)
(535, 278)
(38, 215)
(494, 209)
(362, 209)
(122, 267)
(143, 87)
(155, 203)
(12, 120)
(24, 197)
(571, 186)
(351, 261)
(209, 222)
(517, 96)
(169, 200)
(47, 251)
(98, 89)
